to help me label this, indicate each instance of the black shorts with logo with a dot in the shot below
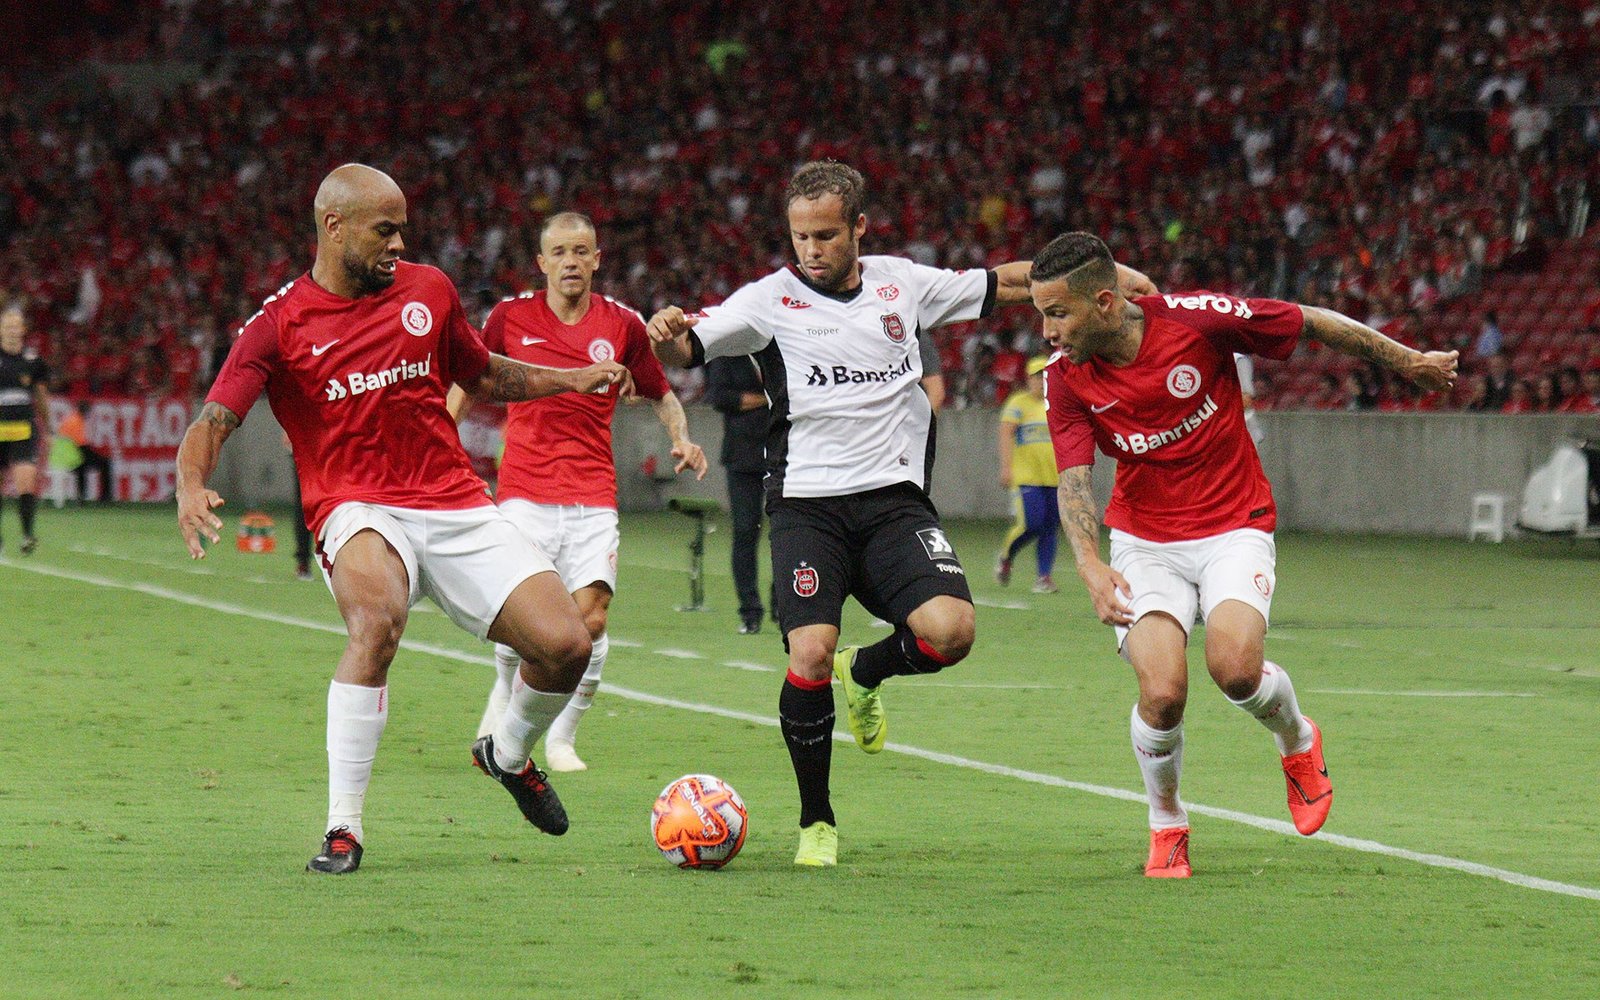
(883, 547)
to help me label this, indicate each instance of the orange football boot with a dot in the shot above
(1310, 791)
(1169, 853)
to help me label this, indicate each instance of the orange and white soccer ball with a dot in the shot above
(698, 822)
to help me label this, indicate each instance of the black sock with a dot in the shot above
(26, 502)
(894, 656)
(806, 718)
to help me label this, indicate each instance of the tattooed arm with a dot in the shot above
(197, 459)
(1107, 588)
(1431, 370)
(511, 381)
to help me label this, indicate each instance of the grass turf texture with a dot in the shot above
(162, 783)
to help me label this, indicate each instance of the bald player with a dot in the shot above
(355, 358)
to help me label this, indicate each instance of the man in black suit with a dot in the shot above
(733, 385)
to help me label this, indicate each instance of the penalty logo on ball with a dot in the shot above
(698, 821)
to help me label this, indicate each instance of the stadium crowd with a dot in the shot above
(1381, 159)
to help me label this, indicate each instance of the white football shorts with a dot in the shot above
(467, 561)
(1179, 578)
(581, 541)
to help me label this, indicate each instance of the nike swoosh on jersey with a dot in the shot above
(530, 341)
(1102, 409)
(317, 350)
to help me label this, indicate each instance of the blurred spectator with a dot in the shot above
(1498, 382)
(1587, 398)
(1521, 398)
(1490, 340)
(1546, 397)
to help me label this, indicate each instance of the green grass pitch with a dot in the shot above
(162, 783)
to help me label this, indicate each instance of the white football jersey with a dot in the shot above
(842, 369)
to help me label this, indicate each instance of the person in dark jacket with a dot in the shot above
(733, 386)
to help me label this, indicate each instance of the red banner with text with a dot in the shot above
(140, 435)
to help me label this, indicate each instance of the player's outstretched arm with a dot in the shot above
(1134, 283)
(1430, 370)
(669, 410)
(457, 401)
(1107, 588)
(669, 336)
(511, 381)
(197, 459)
(1131, 281)
(1011, 283)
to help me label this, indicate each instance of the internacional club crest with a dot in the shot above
(416, 318)
(805, 580)
(600, 350)
(1183, 381)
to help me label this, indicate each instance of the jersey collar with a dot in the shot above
(849, 296)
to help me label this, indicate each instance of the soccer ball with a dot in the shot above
(698, 822)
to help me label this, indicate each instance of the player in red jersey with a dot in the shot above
(557, 480)
(355, 358)
(1152, 381)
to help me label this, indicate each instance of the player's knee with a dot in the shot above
(1164, 702)
(376, 630)
(1235, 667)
(950, 633)
(595, 622)
(572, 651)
(811, 657)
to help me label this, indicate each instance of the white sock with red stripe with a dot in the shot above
(1275, 707)
(356, 717)
(565, 728)
(506, 662)
(527, 716)
(1160, 756)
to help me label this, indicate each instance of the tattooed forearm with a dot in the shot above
(217, 418)
(1077, 512)
(197, 453)
(1347, 336)
(508, 380)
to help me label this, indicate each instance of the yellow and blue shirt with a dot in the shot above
(1033, 461)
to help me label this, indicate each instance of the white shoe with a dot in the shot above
(562, 757)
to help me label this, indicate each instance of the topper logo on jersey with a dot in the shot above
(1183, 381)
(794, 303)
(1216, 303)
(889, 293)
(894, 327)
(416, 318)
(356, 383)
(600, 350)
(1138, 444)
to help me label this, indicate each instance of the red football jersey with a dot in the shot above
(359, 386)
(558, 449)
(1173, 418)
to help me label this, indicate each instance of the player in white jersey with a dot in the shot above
(849, 451)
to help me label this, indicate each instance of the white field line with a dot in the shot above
(679, 654)
(1035, 777)
(1424, 694)
(749, 665)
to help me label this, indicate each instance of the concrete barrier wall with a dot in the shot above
(1404, 473)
